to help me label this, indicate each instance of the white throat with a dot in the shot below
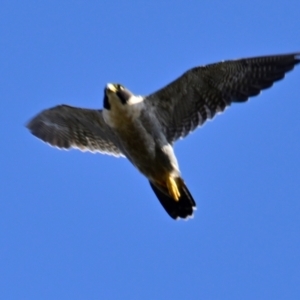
(119, 114)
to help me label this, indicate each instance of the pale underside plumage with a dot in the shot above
(180, 107)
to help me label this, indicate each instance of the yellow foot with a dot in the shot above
(172, 188)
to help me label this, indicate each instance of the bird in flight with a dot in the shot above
(144, 128)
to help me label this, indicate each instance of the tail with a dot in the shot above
(183, 207)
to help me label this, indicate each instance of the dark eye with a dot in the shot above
(124, 95)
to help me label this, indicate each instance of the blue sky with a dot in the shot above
(77, 225)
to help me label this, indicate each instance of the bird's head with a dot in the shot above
(114, 93)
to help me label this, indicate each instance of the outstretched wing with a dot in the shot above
(70, 127)
(202, 92)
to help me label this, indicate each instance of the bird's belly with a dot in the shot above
(143, 142)
(153, 156)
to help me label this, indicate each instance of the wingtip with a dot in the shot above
(28, 125)
(32, 125)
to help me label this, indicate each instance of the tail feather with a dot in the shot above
(182, 208)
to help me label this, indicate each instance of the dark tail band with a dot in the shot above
(183, 208)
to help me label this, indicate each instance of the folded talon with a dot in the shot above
(172, 188)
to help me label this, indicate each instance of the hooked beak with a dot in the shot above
(111, 88)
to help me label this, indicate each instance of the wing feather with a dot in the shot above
(67, 127)
(202, 92)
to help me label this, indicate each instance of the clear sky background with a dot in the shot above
(78, 225)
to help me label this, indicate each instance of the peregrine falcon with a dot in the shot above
(144, 128)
